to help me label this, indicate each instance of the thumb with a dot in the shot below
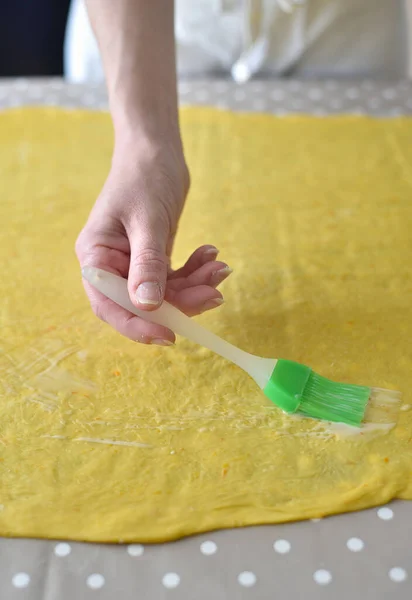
(148, 265)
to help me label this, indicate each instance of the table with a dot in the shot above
(362, 556)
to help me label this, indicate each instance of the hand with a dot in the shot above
(130, 232)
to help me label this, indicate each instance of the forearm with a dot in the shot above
(136, 40)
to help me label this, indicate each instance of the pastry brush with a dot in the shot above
(293, 387)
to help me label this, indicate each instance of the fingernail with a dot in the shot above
(212, 303)
(219, 276)
(149, 293)
(212, 251)
(160, 342)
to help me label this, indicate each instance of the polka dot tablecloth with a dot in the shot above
(359, 556)
(289, 96)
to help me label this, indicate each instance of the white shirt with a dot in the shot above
(303, 38)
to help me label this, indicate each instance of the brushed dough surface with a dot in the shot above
(102, 439)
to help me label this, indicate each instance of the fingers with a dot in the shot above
(103, 251)
(193, 293)
(211, 274)
(201, 256)
(192, 288)
(148, 264)
(91, 251)
(195, 300)
(129, 325)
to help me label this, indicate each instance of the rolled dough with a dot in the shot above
(102, 439)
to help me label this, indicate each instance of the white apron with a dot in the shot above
(303, 38)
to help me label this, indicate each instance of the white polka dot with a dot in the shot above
(171, 580)
(208, 548)
(322, 577)
(355, 544)
(385, 513)
(247, 579)
(282, 546)
(135, 550)
(62, 549)
(21, 580)
(398, 574)
(95, 581)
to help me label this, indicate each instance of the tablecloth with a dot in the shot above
(364, 556)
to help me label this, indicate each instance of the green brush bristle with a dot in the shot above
(330, 401)
(297, 389)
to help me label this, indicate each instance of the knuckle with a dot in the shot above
(85, 247)
(92, 255)
(149, 260)
(136, 329)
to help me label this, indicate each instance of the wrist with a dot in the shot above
(145, 112)
(136, 136)
(134, 153)
(132, 145)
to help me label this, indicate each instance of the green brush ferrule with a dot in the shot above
(286, 384)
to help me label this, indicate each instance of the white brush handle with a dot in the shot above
(115, 287)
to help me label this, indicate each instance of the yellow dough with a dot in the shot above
(103, 439)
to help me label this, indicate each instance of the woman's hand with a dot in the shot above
(132, 226)
(130, 232)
